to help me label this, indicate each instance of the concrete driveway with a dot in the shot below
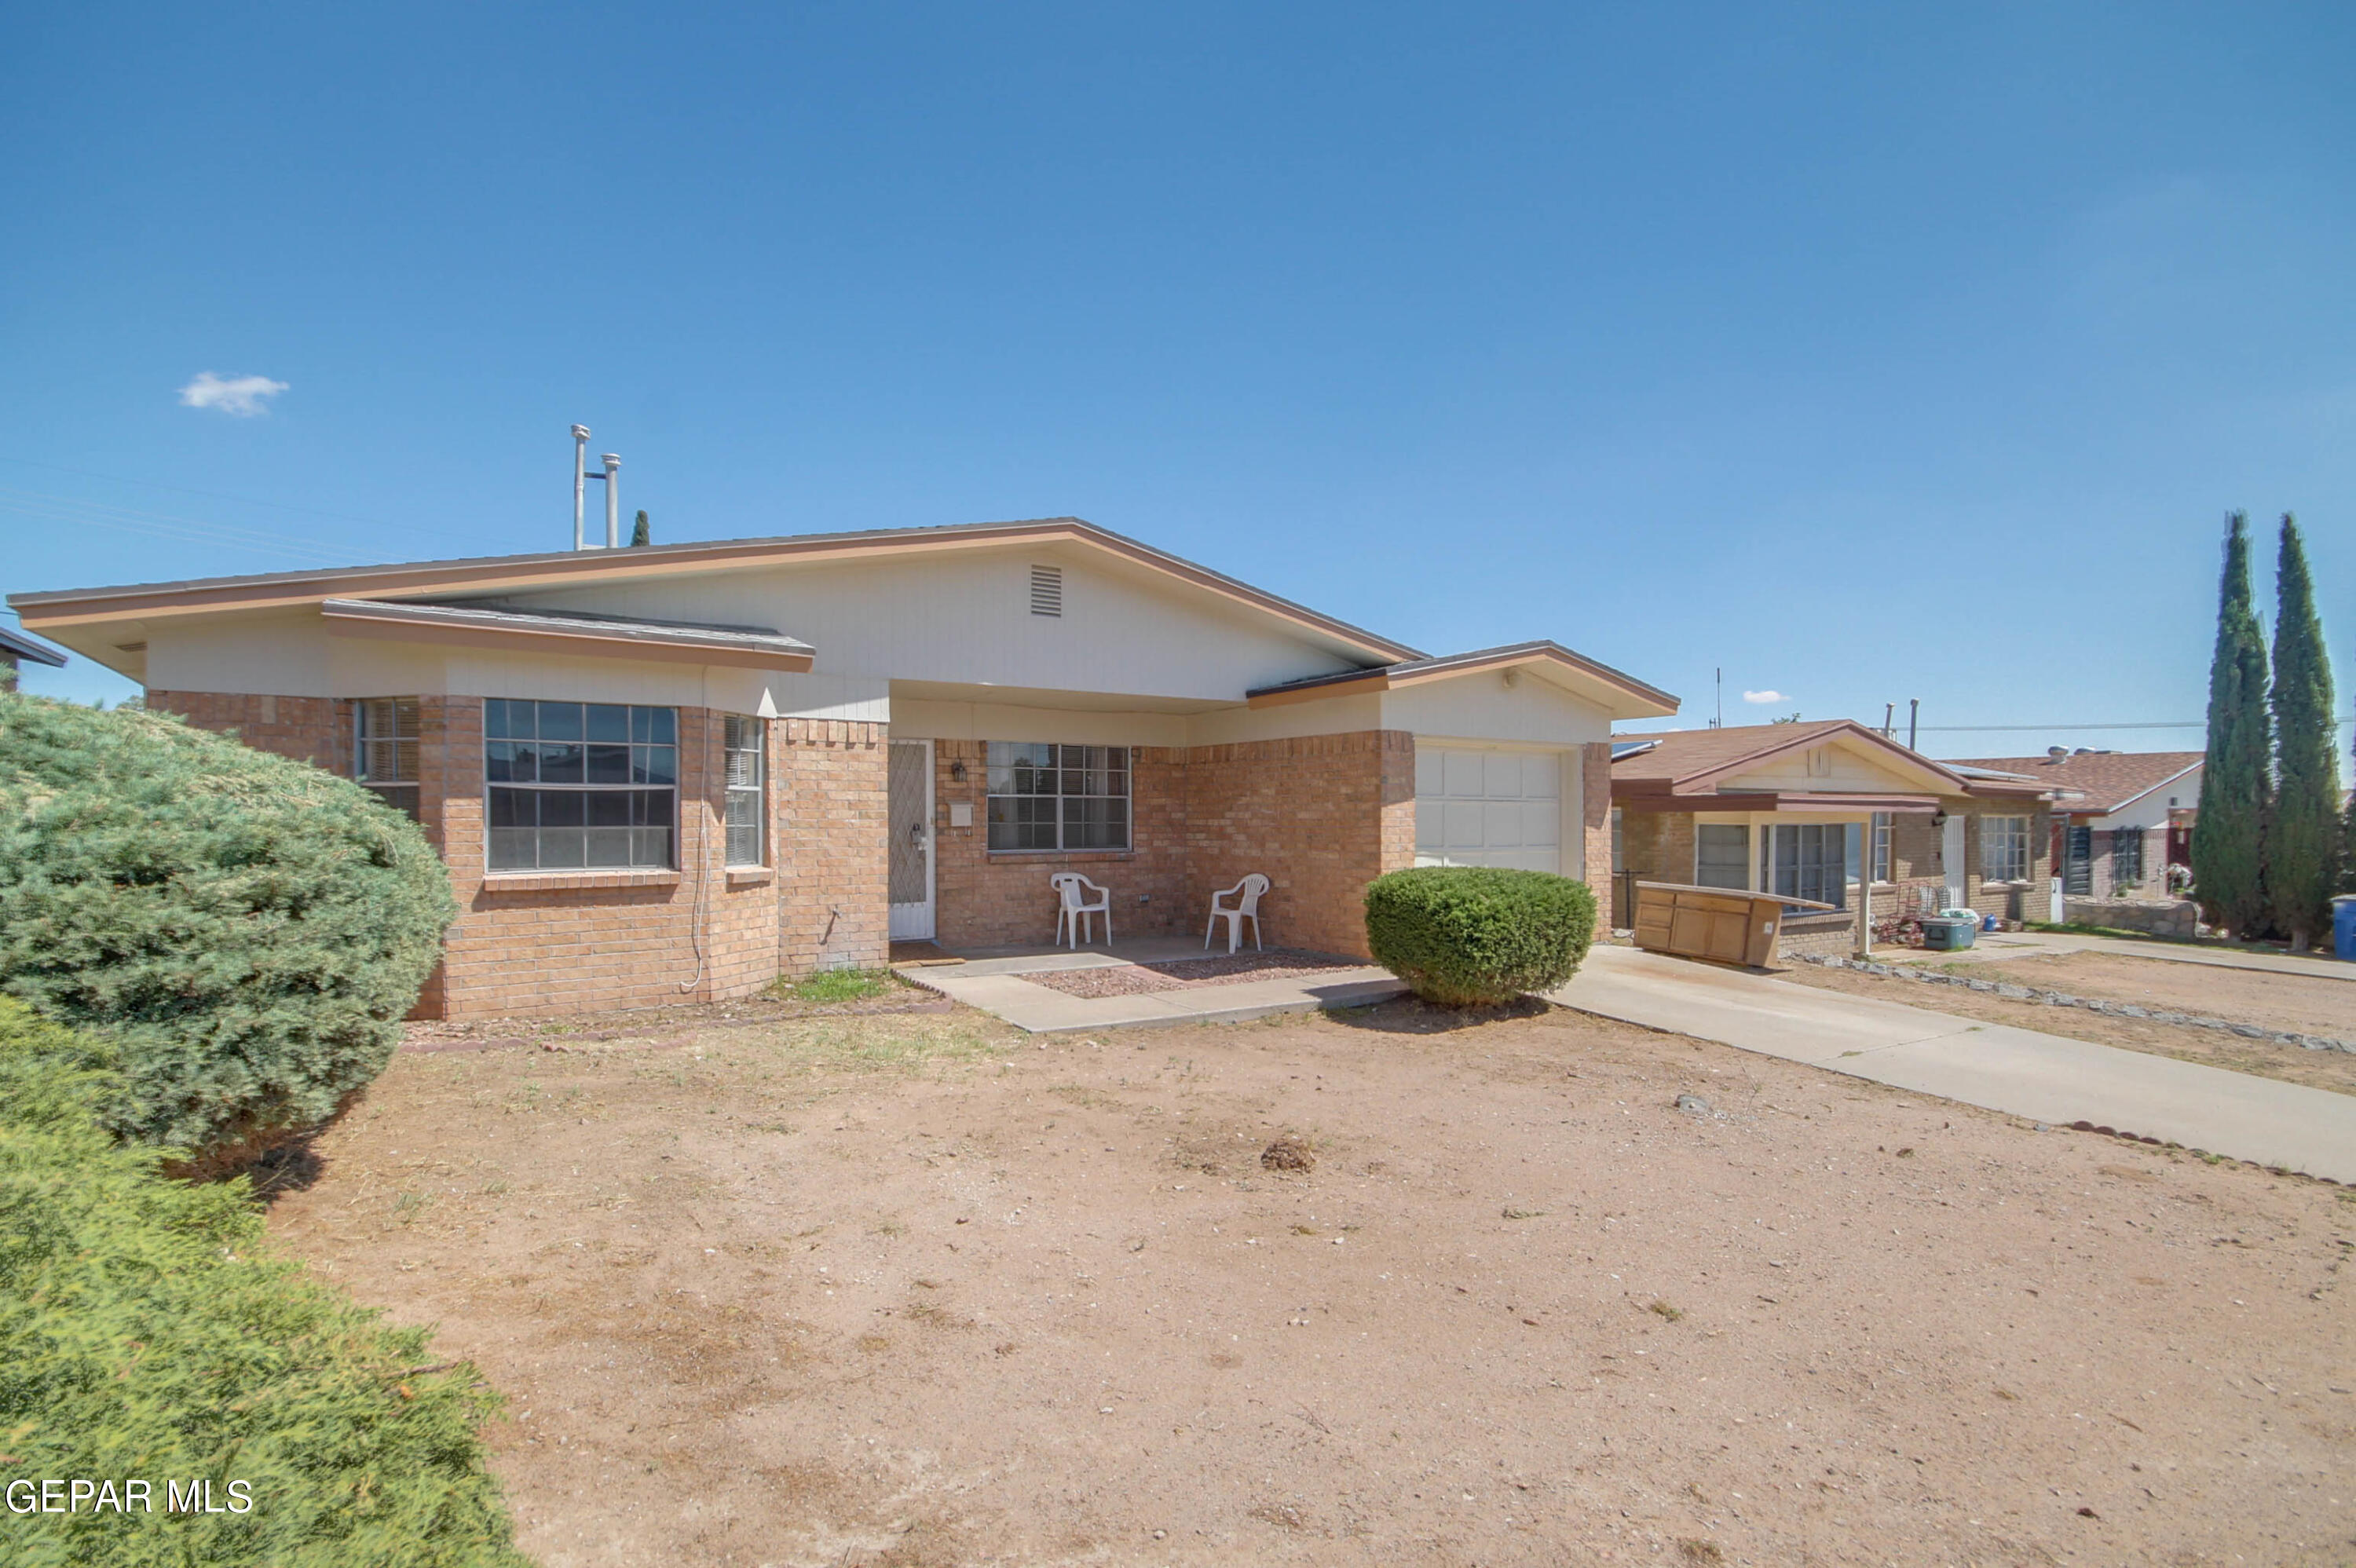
(2042, 1076)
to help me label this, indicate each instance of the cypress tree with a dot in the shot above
(2303, 837)
(641, 534)
(2229, 839)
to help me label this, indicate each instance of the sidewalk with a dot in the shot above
(2018, 1070)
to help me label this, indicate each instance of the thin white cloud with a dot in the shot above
(1764, 696)
(242, 396)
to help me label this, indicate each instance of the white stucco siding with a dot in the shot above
(2150, 809)
(964, 616)
(1834, 766)
(297, 656)
(1482, 708)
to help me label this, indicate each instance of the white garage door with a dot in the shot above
(1488, 808)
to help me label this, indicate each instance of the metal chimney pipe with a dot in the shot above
(613, 502)
(580, 479)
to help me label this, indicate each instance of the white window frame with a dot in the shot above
(744, 768)
(1885, 864)
(2015, 842)
(385, 744)
(1001, 766)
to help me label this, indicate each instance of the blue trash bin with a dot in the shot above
(2343, 926)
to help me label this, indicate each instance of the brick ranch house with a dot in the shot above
(2126, 817)
(678, 772)
(1795, 808)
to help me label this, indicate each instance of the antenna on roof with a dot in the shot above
(1720, 723)
(610, 478)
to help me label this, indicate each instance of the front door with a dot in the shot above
(1951, 859)
(912, 840)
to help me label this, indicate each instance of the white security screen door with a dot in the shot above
(911, 791)
(1488, 808)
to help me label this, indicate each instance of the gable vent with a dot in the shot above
(1046, 590)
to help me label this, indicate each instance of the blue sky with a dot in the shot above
(1866, 352)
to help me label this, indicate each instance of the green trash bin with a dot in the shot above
(1948, 932)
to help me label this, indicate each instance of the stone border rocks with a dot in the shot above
(2091, 1004)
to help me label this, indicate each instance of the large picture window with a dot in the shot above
(1810, 861)
(1044, 796)
(2004, 849)
(747, 793)
(577, 785)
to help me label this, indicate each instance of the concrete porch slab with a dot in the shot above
(996, 985)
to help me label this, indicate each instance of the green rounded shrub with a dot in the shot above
(1466, 936)
(149, 1332)
(247, 930)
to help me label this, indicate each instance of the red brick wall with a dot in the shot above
(570, 942)
(316, 729)
(1322, 815)
(1595, 825)
(828, 812)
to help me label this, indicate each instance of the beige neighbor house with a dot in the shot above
(678, 772)
(1796, 809)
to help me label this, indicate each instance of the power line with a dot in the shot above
(1987, 728)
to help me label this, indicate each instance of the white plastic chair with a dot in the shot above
(1248, 908)
(1074, 907)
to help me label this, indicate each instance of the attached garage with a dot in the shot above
(1486, 808)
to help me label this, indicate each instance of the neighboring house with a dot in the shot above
(677, 772)
(2128, 817)
(16, 648)
(1796, 809)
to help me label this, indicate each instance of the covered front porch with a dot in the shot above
(1162, 802)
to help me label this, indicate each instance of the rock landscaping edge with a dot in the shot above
(2091, 1004)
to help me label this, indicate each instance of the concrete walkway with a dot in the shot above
(2020, 1071)
(992, 979)
(1996, 946)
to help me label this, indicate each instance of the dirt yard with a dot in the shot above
(908, 1288)
(2308, 1004)
(2334, 1070)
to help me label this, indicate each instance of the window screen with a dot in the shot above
(384, 749)
(1721, 855)
(1811, 861)
(747, 776)
(1044, 796)
(2004, 849)
(580, 784)
(2126, 857)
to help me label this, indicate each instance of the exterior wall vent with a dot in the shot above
(1046, 590)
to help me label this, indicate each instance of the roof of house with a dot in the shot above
(498, 625)
(25, 648)
(558, 569)
(405, 592)
(1693, 762)
(1645, 700)
(2104, 781)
